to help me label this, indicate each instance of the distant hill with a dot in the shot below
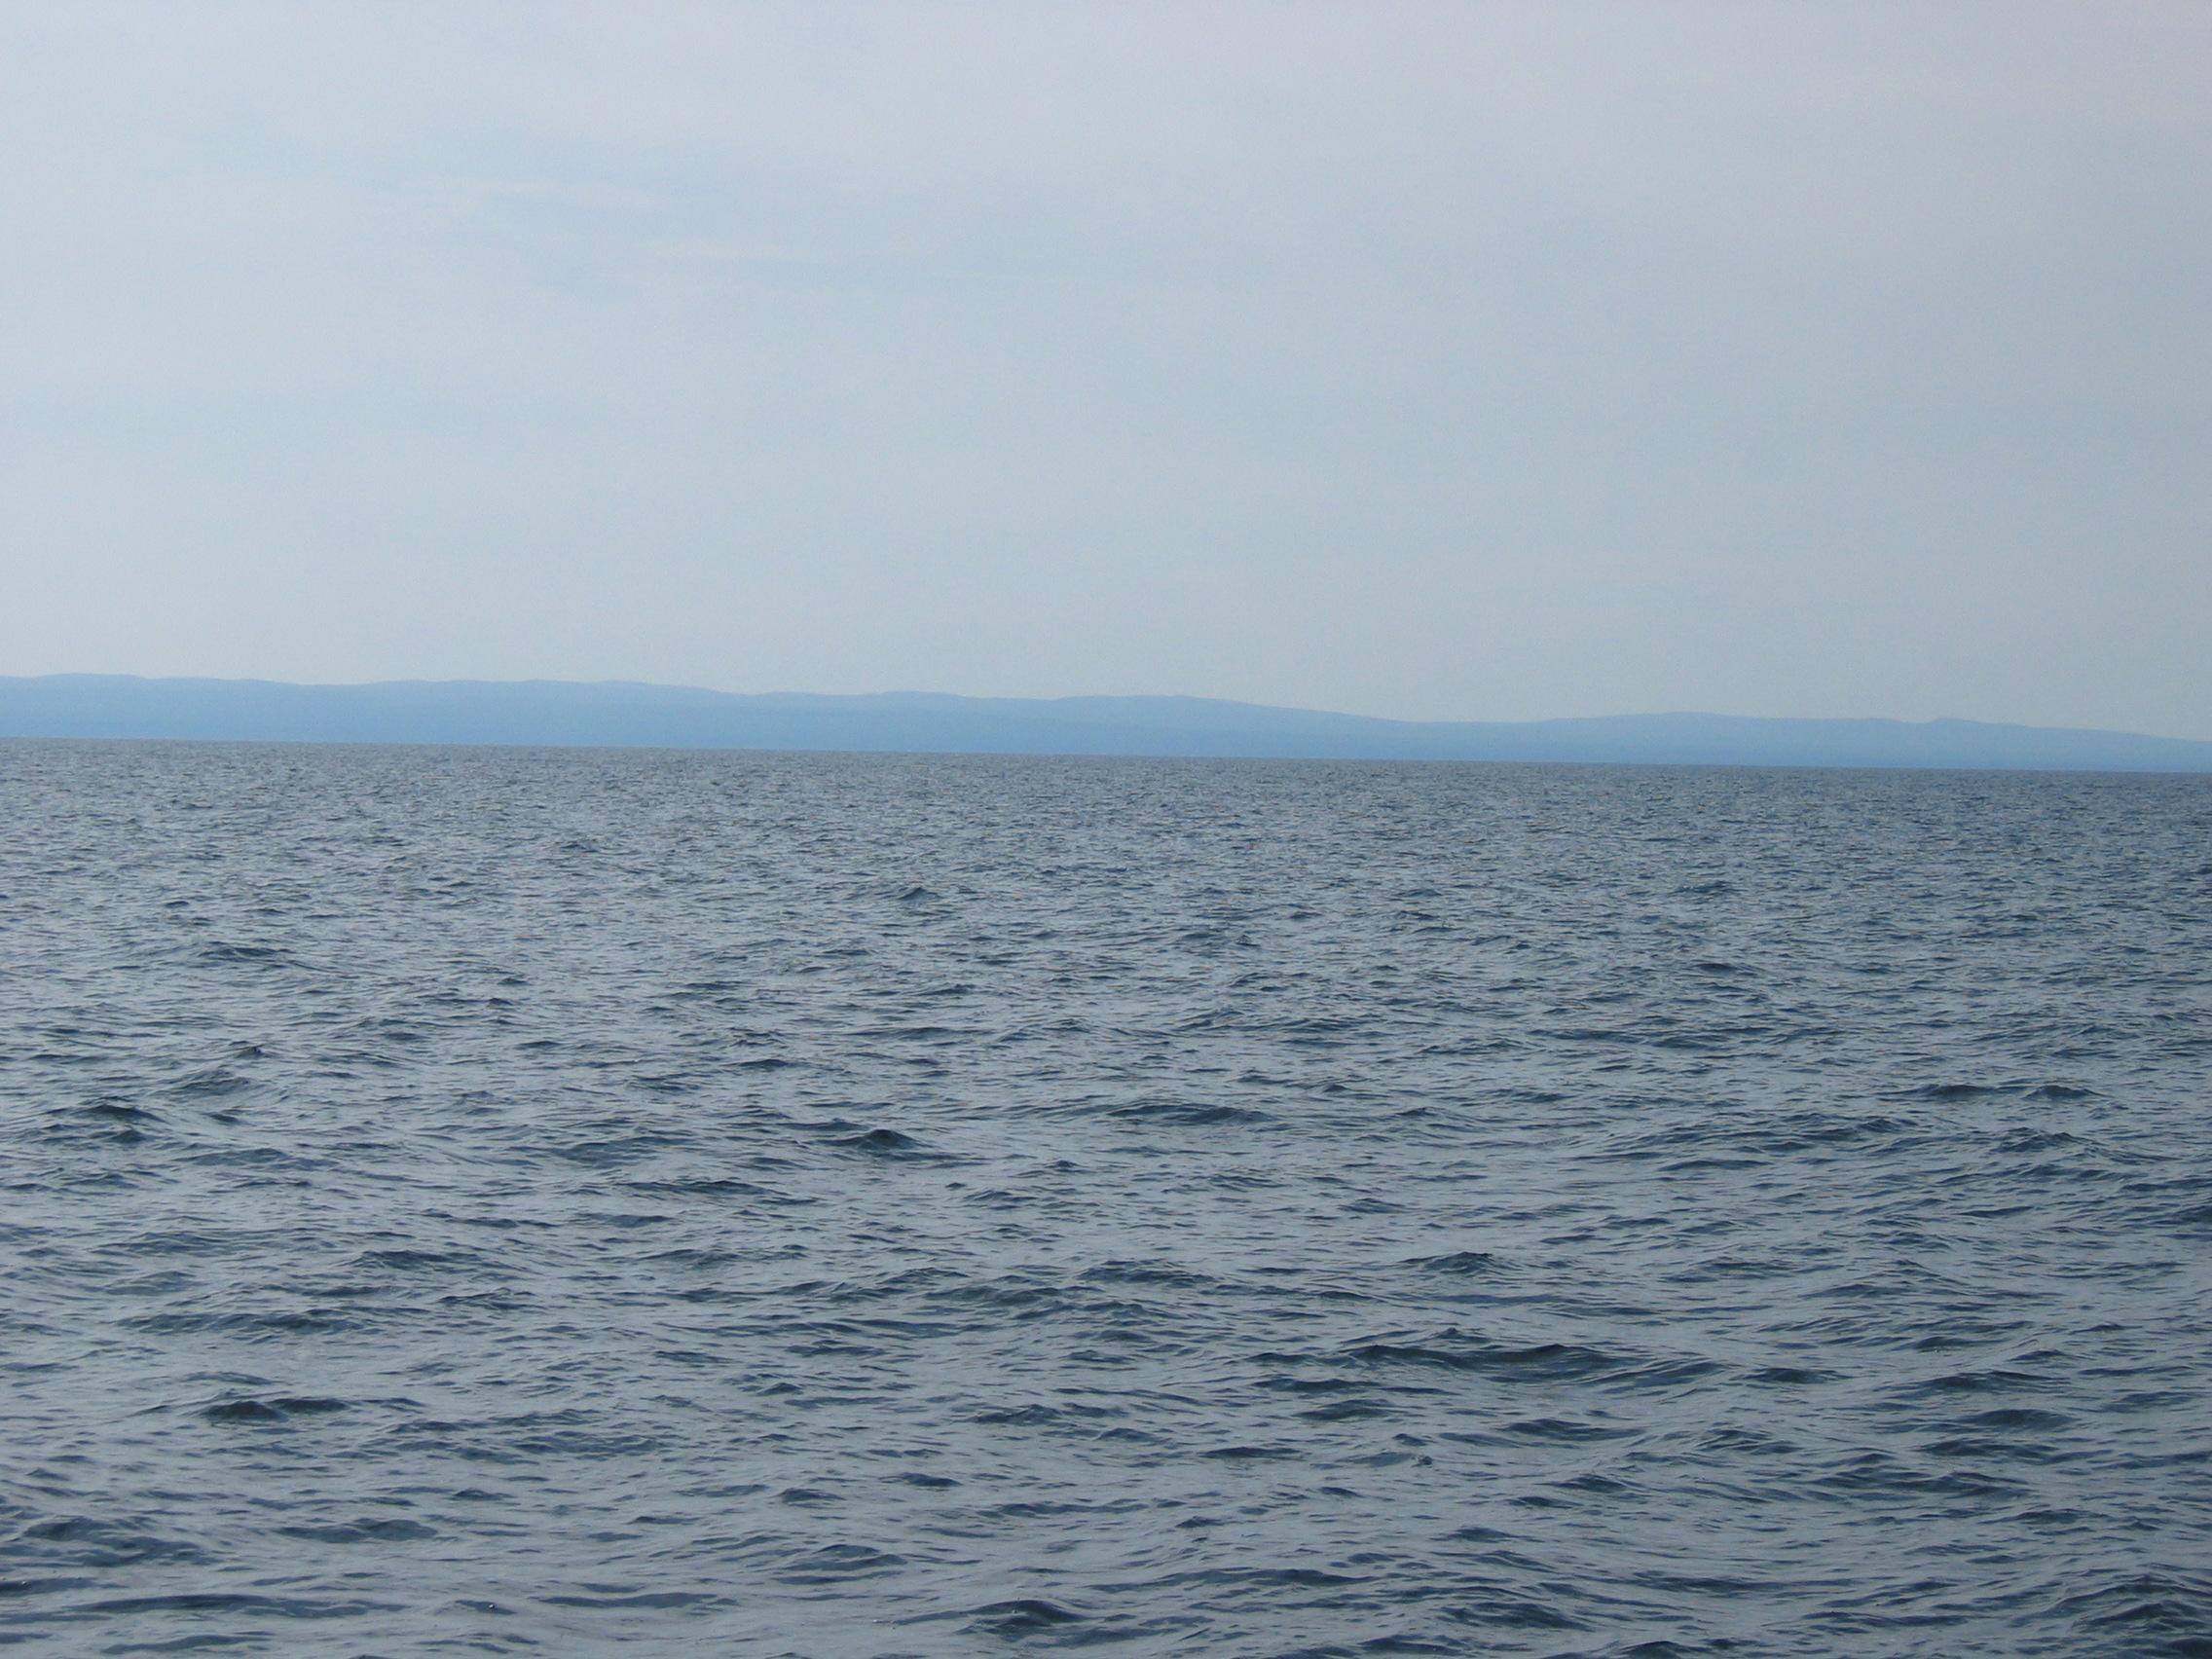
(624, 715)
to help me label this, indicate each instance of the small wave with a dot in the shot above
(1012, 1620)
(289, 1322)
(210, 1082)
(380, 1529)
(240, 1601)
(1165, 1276)
(251, 955)
(1997, 1380)
(1953, 1090)
(276, 1410)
(1566, 1430)
(85, 1540)
(119, 1112)
(1479, 1263)
(1189, 1114)
(882, 1143)
(614, 1598)
(1787, 1376)
(2172, 1606)
(1534, 1362)
(835, 1562)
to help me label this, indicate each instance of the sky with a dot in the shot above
(1433, 361)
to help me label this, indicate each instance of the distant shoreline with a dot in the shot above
(561, 714)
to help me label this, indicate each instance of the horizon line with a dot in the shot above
(1185, 697)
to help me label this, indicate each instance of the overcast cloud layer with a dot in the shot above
(1440, 362)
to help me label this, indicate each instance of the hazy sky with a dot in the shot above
(1443, 360)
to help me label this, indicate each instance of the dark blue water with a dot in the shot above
(572, 1203)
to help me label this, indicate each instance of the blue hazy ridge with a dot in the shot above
(629, 715)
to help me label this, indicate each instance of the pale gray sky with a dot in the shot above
(1453, 360)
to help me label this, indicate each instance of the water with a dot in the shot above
(481, 1201)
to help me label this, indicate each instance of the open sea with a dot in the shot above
(564, 1202)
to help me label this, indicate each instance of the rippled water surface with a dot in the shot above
(499, 1201)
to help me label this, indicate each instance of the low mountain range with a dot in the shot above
(626, 715)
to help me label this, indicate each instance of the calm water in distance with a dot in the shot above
(566, 1202)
